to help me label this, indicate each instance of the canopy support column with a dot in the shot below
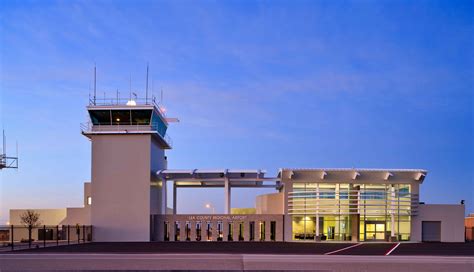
(227, 196)
(392, 213)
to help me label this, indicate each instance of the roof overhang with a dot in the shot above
(353, 175)
(218, 178)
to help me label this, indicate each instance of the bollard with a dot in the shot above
(78, 233)
(29, 235)
(12, 238)
(57, 235)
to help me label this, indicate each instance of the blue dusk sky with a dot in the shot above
(256, 84)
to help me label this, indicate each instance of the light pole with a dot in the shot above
(209, 206)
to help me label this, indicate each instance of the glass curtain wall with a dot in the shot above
(328, 208)
(384, 205)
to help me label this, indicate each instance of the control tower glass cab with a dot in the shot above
(128, 118)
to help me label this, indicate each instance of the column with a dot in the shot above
(163, 196)
(268, 226)
(354, 205)
(317, 237)
(171, 229)
(246, 230)
(175, 195)
(227, 197)
(287, 218)
(193, 231)
(225, 230)
(338, 218)
(236, 230)
(256, 231)
(392, 213)
(182, 230)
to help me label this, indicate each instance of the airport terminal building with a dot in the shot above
(127, 197)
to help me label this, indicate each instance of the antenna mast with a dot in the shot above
(4, 150)
(95, 82)
(130, 86)
(146, 90)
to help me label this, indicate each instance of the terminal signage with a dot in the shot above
(217, 217)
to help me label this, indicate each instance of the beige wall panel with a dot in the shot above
(451, 217)
(121, 187)
(270, 203)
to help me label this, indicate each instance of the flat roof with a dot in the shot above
(256, 177)
(360, 174)
(355, 169)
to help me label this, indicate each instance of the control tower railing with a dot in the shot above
(135, 101)
(90, 128)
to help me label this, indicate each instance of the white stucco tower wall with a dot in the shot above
(121, 175)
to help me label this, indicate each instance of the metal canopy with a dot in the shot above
(218, 177)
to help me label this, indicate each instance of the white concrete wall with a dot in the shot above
(451, 217)
(47, 216)
(81, 216)
(87, 192)
(121, 187)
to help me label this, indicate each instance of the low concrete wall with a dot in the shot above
(46, 216)
(81, 216)
(451, 217)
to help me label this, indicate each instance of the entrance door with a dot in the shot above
(431, 231)
(374, 231)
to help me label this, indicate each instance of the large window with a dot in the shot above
(100, 117)
(304, 227)
(120, 117)
(141, 117)
(338, 206)
(158, 124)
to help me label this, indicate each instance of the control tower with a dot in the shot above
(129, 140)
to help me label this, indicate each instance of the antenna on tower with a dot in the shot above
(130, 86)
(95, 82)
(146, 90)
(161, 96)
(4, 149)
(152, 84)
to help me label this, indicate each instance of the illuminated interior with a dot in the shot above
(341, 209)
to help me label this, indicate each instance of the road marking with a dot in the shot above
(339, 250)
(392, 249)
